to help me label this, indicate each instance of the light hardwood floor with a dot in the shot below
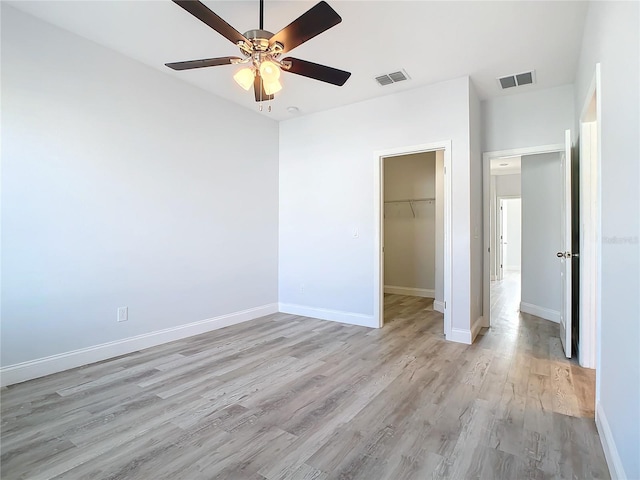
(287, 397)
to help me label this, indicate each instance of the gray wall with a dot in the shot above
(541, 231)
(528, 119)
(508, 185)
(611, 38)
(475, 200)
(410, 241)
(122, 186)
(327, 190)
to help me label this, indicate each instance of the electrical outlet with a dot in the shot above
(123, 314)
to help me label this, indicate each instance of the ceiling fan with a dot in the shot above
(261, 49)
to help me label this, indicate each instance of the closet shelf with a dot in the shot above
(411, 201)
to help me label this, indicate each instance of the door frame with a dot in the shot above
(590, 228)
(486, 206)
(378, 235)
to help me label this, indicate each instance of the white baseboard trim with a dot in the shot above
(414, 292)
(460, 335)
(616, 470)
(475, 328)
(541, 312)
(21, 372)
(438, 306)
(332, 315)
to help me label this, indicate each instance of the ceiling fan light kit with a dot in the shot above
(262, 49)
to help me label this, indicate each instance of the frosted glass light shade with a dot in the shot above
(272, 87)
(269, 71)
(244, 78)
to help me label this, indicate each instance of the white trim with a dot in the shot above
(331, 315)
(590, 230)
(486, 205)
(542, 312)
(616, 469)
(460, 335)
(438, 306)
(411, 291)
(475, 328)
(378, 212)
(21, 372)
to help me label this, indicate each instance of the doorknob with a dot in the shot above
(560, 254)
(566, 255)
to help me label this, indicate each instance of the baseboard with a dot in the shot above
(541, 312)
(414, 292)
(41, 367)
(438, 306)
(331, 315)
(460, 335)
(616, 470)
(475, 328)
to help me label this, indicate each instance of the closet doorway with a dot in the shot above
(414, 261)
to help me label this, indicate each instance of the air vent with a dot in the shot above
(393, 77)
(518, 79)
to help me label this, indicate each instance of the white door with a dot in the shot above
(564, 254)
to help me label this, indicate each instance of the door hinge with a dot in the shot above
(445, 305)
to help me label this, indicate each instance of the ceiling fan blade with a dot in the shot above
(205, 62)
(315, 21)
(200, 11)
(258, 90)
(317, 71)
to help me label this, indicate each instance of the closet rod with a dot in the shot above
(411, 200)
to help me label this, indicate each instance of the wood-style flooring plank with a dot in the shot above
(286, 397)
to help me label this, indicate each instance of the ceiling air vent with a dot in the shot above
(393, 77)
(518, 79)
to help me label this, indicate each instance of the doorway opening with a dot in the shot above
(524, 190)
(413, 220)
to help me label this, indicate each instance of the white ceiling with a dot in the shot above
(432, 41)
(505, 165)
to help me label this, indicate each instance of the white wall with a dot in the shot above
(513, 225)
(528, 119)
(541, 234)
(122, 186)
(410, 231)
(611, 38)
(326, 192)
